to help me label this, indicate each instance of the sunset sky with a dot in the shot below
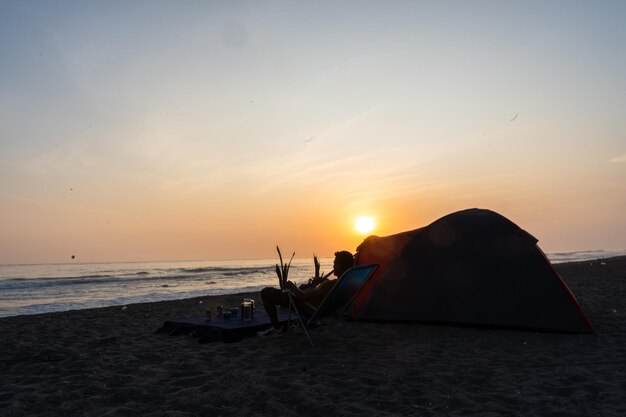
(218, 129)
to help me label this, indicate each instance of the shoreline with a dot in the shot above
(250, 293)
(235, 292)
(109, 361)
(45, 289)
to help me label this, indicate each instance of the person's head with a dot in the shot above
(343, 261)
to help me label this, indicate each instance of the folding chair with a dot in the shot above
(340, 296)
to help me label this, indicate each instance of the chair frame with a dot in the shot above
(321, 309)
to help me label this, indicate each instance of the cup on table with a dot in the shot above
(246, 310)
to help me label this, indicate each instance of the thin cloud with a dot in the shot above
(64, 158)
(8, 164)
(618, 159)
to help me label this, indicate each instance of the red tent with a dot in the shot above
(472, 267)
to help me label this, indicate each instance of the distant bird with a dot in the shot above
(514, 117)
(309, 140)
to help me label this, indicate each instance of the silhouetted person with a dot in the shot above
(305, 295)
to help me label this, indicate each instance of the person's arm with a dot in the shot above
(295, 290)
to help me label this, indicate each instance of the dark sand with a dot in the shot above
(109, 362)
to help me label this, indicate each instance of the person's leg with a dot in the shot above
(272, 297)
(304, 308)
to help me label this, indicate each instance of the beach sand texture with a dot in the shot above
(109, 362)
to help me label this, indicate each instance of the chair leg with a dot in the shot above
(292, 305)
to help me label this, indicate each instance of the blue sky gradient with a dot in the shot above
(195, 130)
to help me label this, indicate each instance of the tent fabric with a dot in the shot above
(472, 267)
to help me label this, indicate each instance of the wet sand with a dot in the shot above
(110, 362)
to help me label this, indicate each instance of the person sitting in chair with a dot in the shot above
(305, 296)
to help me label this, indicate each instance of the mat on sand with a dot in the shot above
(219, 330)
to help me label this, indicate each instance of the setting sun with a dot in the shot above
(364, 224)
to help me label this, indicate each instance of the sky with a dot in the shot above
(149, 130)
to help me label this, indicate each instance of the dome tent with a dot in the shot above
(472, 267)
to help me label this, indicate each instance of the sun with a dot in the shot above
(364, 224)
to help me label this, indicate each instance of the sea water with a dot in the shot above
(42, 288)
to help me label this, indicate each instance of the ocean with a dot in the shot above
(42, 288)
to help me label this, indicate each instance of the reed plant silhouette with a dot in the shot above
(283, 270)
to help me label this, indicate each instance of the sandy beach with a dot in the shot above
(110, 362)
